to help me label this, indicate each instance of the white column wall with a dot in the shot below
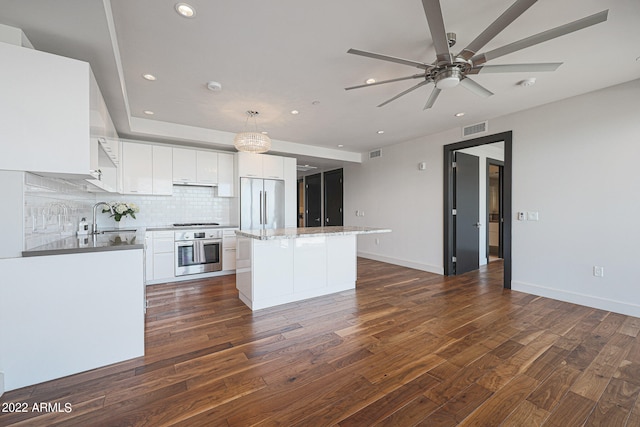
(574, 161)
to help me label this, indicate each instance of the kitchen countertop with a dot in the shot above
(293, 233)
(190, 227)
(111, 240)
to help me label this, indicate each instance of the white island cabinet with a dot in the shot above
(291, 264)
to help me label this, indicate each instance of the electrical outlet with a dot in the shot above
(598, 271)
(522, 216)
(532, 216)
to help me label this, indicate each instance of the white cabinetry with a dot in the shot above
(206, 167)
(160, 256)
(137, 168)
(226, 187)
(45, 123)
(146, 169)
(260, 166)
(229, 249)
(184, 165)
(195, 167)
(162, 170)
(290, 192)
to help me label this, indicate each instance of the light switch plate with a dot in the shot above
(532, 216)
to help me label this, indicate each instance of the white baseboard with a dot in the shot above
(578, 298)
(404, 263)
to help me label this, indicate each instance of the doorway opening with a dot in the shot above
(495, 208)
(461, 231)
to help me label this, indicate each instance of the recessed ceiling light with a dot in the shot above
(380, 132)
(459, 114)
(149, 112)
(294, 112)
(185, 10)
(214, 86)
(340, 145)
(370, 81)
(527, 82)
(264, 132)
(149, 77)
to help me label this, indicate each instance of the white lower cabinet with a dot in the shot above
(229, 249)
(160, 256)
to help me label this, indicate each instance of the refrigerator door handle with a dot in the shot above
(260, 206)
(266, 221)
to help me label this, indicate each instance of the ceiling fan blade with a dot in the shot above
(415, 76)
(389, 58)
(510, 15)
(432, 98)
(515, 68)
(541, 37)
(436, 26)
(412, 88)
(476, 88)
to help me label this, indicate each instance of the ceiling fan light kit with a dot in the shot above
(449, 71)
(252, 142)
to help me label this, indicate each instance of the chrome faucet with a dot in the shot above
(94, 226)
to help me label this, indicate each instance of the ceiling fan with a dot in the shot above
(450, 70)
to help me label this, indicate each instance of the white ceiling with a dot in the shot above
(276, 56)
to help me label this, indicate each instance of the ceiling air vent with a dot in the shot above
(305, 168)
(375, 153)
(482, 127)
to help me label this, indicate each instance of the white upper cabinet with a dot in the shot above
(184, 165)
(273, 167)
(146, 169)
(46, 123)
(196, 167)
(206, 167)
(137, 168)
(260, 166)
(226, 180)
(162, 182)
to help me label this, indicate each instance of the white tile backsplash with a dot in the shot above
(53, 208)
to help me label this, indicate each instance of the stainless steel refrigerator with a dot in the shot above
(261, 203)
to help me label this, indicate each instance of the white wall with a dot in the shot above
(574, 162)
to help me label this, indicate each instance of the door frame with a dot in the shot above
(449, 149)
(500, 164)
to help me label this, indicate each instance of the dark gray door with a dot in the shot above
(333, 201)
(313, 201)
(467, 206)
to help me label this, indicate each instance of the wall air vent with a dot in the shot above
(375, 153)
(482, 127)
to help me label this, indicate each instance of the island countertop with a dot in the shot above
(293, 233)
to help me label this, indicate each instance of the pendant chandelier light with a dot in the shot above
(252, 142)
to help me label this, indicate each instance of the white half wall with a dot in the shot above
(574, 162)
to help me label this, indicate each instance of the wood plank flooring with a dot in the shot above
(406, 348)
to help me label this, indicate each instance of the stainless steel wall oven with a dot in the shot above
(198, 251)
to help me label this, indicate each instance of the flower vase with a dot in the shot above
(121, 224)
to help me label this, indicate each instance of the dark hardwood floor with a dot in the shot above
(406, 348)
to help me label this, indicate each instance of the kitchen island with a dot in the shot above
(284, 265)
